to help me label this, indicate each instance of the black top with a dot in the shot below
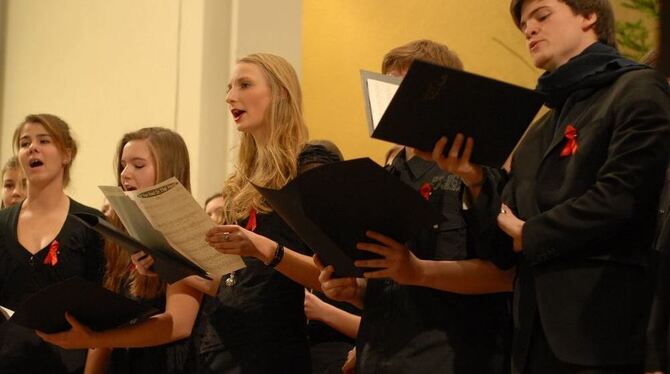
(171, 358)
(22, 274)
(258, 323)
(416, 329)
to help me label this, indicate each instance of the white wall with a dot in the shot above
(109, 67)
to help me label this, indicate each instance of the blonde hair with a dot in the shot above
(276, 162)
(400, 58)
(171, 160)
(60, 134)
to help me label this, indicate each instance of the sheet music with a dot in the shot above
(378, 90)
(381, 94)
(171, 209)
(137, 225)
(6, 312)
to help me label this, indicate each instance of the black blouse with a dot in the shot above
(22, 274)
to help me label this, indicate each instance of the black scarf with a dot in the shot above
(597, 66)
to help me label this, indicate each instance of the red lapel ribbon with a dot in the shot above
(426, 190)
(571, 146)
(251, 223)
(52, 256)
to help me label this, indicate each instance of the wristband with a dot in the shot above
(279, 254)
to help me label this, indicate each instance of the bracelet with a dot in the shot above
(279, 254)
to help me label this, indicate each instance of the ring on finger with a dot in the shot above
(226, 236)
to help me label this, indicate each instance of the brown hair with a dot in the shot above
(400, 58)
(171, 157)
(12, 163)
(60, 134)
(169, 151)
(604, 26)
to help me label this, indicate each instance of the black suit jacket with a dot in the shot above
(584, 268)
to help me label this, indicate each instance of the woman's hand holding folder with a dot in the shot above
(78, 337)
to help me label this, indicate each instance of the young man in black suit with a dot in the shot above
(579, 206)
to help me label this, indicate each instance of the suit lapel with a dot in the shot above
(561, 123)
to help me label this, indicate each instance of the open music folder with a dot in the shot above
(91, 304)
(166, 222)
(434, 101)
(330, 207)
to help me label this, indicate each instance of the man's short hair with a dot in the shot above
(400, 58)
(604, 26)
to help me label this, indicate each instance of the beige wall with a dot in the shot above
(109, 67)
(344, 36)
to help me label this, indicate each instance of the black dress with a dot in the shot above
(408, 329)
(257, 323)
(22, 274)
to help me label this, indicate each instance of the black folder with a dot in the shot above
(434, 101)
(170, 265)
(330, 207)
(91, 304)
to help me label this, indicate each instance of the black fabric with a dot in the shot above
(22, 274)
(597, 66)
(585, 268)
(172, 358)
(328, 346)
(415, 329)
(543, 361)
(320, 332)
(329, 357)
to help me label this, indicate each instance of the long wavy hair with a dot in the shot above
(171, 157)
(274, 163)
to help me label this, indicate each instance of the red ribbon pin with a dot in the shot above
(571, 146)
(52, 256)
(251, 223)
(426, 190)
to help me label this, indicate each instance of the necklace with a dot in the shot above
(231, 280)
